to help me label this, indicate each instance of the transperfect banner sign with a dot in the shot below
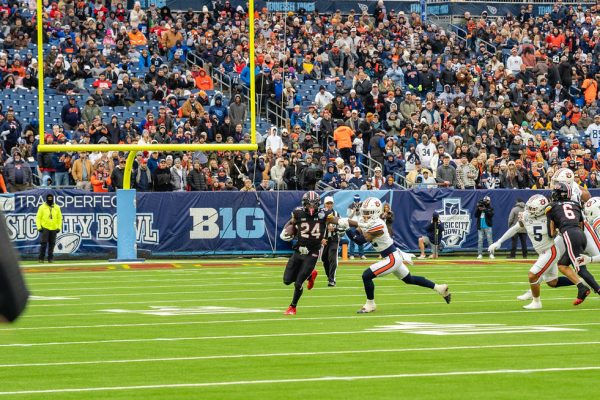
(239, 223)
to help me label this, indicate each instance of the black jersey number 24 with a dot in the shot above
(306, 231)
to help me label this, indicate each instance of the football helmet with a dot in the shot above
(370, 208)
(561, 191)
(311, 202)
(591, 210)
(564, 175)
(536, 205)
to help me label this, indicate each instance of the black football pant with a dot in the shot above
(330, 258)
(48, 240)
(297, 271)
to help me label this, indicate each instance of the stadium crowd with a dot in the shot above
(392, 101)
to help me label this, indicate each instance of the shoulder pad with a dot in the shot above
(548, 209)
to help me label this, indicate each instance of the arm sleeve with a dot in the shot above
(509, 233)
(356, 237)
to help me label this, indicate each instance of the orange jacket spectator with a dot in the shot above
(2, 185)
(590, 90)
(100, 179)
(343, 137)
(204, 81)
(137, 38)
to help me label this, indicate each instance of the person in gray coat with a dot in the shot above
(178, 177)
(521, 235)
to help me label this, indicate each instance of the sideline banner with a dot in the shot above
(197, 223)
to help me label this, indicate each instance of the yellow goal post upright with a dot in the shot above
(126, 204)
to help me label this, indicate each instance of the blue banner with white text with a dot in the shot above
(203, 223)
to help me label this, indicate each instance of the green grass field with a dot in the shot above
(215, 330)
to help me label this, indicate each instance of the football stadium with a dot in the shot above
(299, 198)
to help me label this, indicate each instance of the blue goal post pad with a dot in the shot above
(13, 291)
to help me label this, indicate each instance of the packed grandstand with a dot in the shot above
(379, 100)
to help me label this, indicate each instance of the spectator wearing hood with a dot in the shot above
(218, 111)
(203, 80)
(90, 111)
(391, 165)
(18, 173)
(71, 114)
(161, 178)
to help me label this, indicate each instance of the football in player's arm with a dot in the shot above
(308, 224)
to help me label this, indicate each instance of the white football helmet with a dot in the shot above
(591, 210)
(564, 175)
(371, 208)
(536, 205)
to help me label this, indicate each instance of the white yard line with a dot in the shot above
(202, 289)
(275, 279)
(301, 380)
(333, 293)
(310, 353)
(104, 315)
(176, 323)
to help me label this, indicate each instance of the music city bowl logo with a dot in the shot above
(457, 223)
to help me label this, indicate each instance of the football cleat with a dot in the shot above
(492, 256)
(366, 309)
(311, 280)
(352, 257)
(331, 283)
(581, 295)
(479, 257)
(534, 305)
(525, 296)
(444, 292)
(363, 257)
(422, 257)
(290, 311)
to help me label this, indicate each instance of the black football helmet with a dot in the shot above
(311, 202)
(561, 191)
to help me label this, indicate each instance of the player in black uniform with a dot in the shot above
(565, 216)
(331, 243)
(309, 227)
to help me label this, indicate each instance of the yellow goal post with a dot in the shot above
(134, 148)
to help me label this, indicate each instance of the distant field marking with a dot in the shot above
(300, 380)
(306, 306)
(232, 281)
(311, 353)
(331, 295)
(267, 287)
(262, 320)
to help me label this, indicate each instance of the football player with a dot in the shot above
(371, 228)
(565, 216)
(591, 227)
(307, 226)
(331, 243)
(566, 176)
(545, 269)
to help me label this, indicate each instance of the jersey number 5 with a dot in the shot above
(537, 233)
(306, 232)
(568, 209)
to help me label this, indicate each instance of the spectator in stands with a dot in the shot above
(161, 177)
(100, 178)
(18, 174)
(81, 171)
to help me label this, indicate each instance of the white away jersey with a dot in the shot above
(576, 193)
(537, 230)
(373, 225)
